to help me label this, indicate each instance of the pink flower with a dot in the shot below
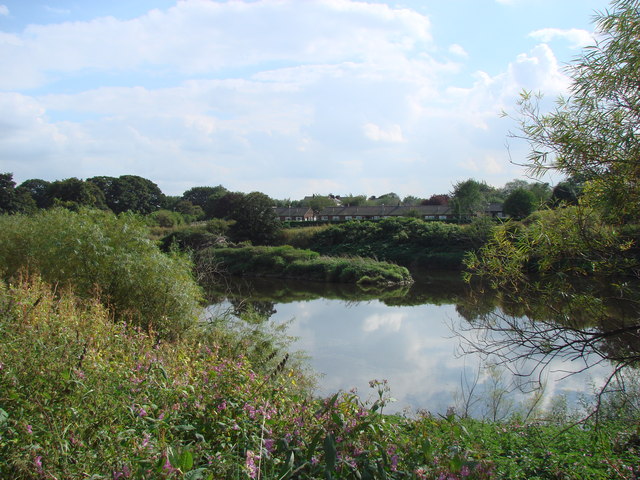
(251, 464)
(29, 430)
(38, 463)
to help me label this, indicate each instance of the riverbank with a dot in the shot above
(112, 401)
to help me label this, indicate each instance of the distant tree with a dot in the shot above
(319, 202)
(390, 198)
(73, 193)
(223, 206)
(353, 200)
(255, 219)
(410, 200)
(520, 203)
(211, 208)
(39, 191)
(541, 192)
(130, 193)
(189, 210)
(514, 184)
(469, 198)
(441, 199)
(7, 193)
(199, 195)
(566, 193)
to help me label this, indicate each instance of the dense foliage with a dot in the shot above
(406, 241)
(289, 262)
(98, 253)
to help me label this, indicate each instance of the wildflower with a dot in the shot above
(168, 467)
(269, 444)
(251, 464)
(29, 430)
(38, 463)
(394, 463)
(421, 473)
(464, 471)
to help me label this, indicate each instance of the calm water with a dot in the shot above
(408, 337)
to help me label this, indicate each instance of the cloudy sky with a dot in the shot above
(287, 97)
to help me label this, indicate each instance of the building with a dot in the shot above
(294, 214)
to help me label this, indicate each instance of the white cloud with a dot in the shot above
(4, 10)
(577, 38)
(197, 37)
(378, 134)
(458, 50)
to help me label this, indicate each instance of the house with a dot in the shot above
(294, 214)
(494, 210)
(376, 212)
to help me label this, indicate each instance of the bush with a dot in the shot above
(96, 252)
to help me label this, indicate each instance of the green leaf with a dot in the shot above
(4, 416)
(186, 460)
(330, 454)
(198, 474)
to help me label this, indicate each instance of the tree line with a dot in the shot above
(132, 193)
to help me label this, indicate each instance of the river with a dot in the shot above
(412, 337)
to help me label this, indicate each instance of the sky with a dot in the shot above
(285, 97)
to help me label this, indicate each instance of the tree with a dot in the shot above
(520, 203)
(411, 200)
(73, 193)
(200, 195)
(130, 193)
(319, 202)
(255, 219)
(436, 199)
(7, 193)
(39, 191)
(390, 198)
(211, 208)
(223, 206)
(591, 136)
(593, 133)
(469, 198)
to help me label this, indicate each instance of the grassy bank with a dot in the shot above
(289, 262)
(84, 397)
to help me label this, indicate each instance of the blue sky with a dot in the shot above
(287, 97)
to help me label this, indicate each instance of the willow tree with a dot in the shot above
(593, 133)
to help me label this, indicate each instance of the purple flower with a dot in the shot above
(251, 464)
(29, 430)
(38, 463)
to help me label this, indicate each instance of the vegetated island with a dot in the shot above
(294, 263)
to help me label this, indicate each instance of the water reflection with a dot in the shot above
(410, 336)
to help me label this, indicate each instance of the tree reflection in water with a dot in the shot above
(579, 326)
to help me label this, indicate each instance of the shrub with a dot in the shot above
(96, 252)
